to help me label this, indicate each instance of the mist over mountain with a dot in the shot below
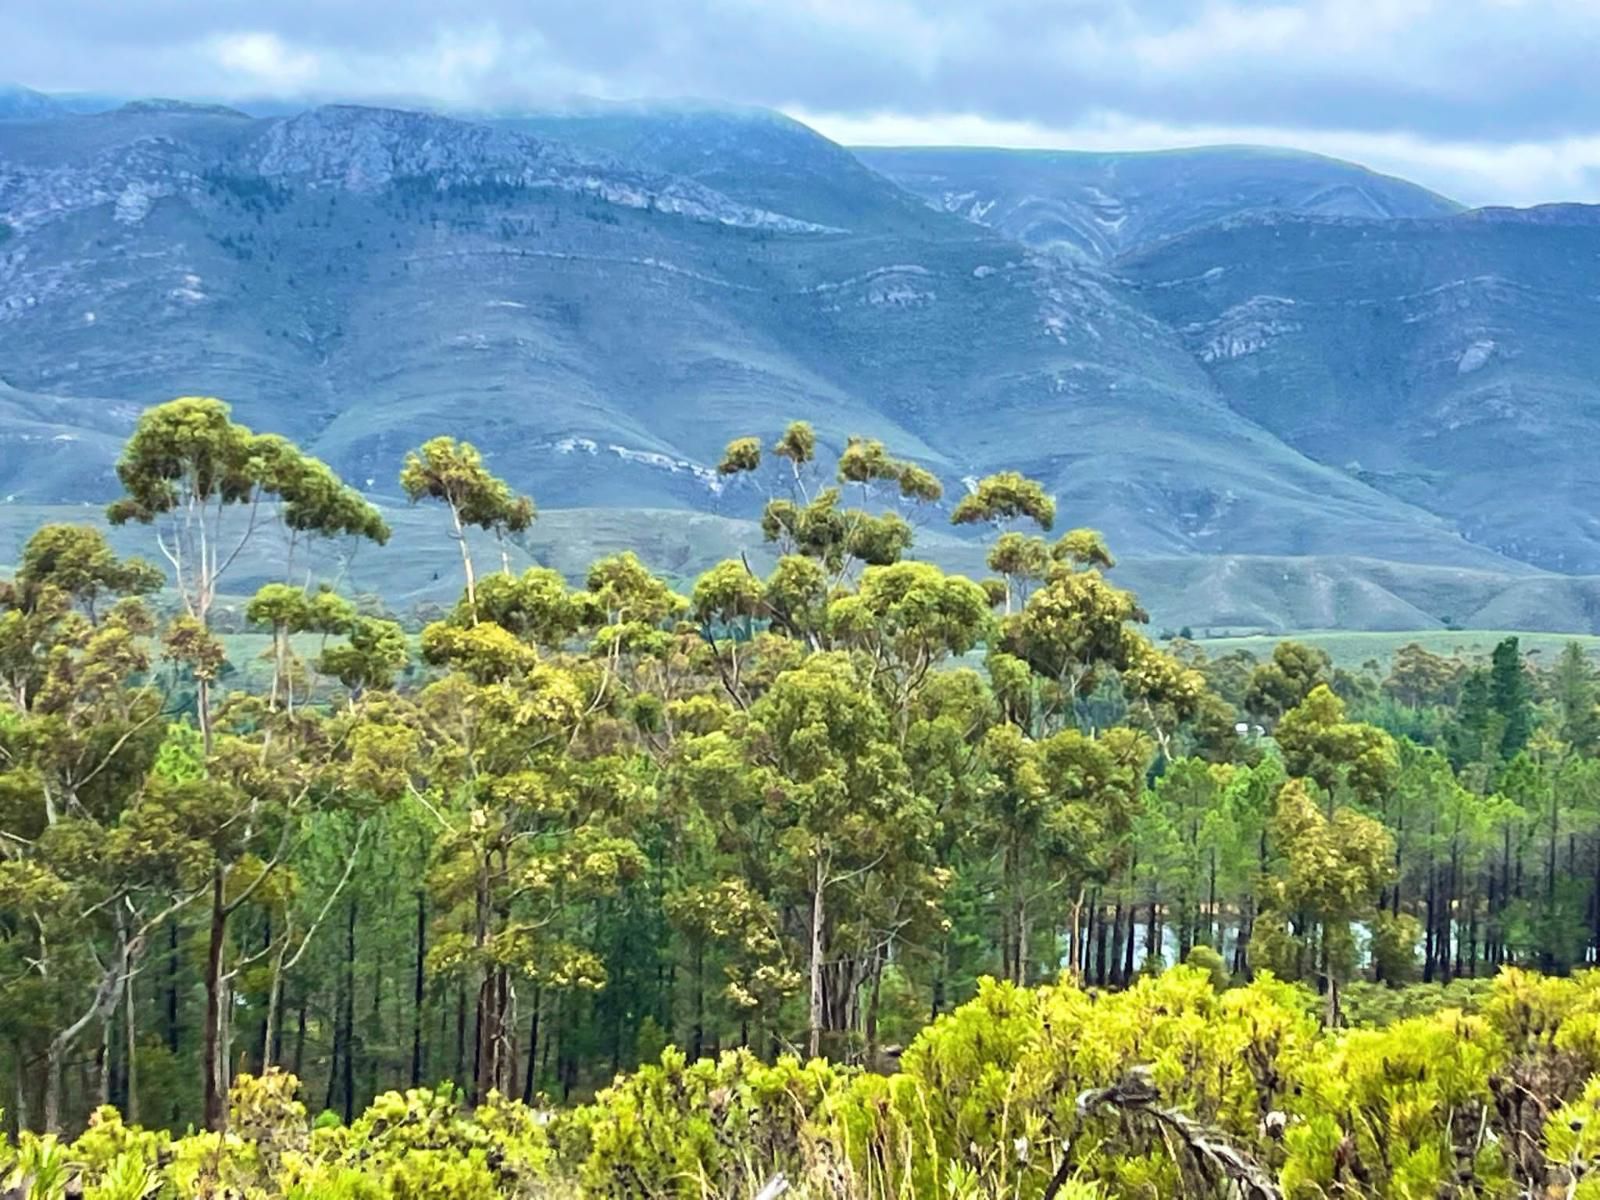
(1290, 391)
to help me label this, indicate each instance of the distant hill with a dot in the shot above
(1096, 206)
(602, 298)
(21, 102)
(1449, 363)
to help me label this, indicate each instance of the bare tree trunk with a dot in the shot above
(19, 1103)
(103, 1082)
(466, 563)
(216, 1113)
(100, 1007)
(870, 1024)
(1022, 944)
(818, 883)
(132, 1049)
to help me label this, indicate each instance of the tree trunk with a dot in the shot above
(461, 1035)
(533, 1051)
(466, 563)
(870, 1027)
(1023, 935)
(131, 1068)
(697, 1042)
(418, 989)
(1130, 936)
(347, 1079)
(216, 1109)
(814, 1008)
(101, 1007)
(300, 1040)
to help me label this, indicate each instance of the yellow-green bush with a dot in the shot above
(704, 1129)
(1001, 1098)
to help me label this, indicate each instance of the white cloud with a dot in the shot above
(266, 59)
(1484, 99)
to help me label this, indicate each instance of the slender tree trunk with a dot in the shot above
(697, 1041)
(1128, 952)
(263, 1044)
(1213, 935)
(348, 1077)
(461, 1034)
(216, 1110)
(870, 1025)
(533, 1050)
(466, 563)
(1114, 976)
(1430, 927)
(372, 1035)
(19, 1102)
(814, 1008)
(105, 1056)
(418, 989)
(300, 1040)
(131, 1070)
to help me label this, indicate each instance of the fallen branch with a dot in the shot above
(1215, 1155)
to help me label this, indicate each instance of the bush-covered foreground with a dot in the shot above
(1170, 1088)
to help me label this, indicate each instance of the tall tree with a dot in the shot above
(454, 473)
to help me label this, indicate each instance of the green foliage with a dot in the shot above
(1005, 497)
(836, 808)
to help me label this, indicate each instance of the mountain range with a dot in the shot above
(1293, 393)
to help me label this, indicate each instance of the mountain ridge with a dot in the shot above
(553, 289)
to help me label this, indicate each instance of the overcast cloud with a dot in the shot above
(1492, 101)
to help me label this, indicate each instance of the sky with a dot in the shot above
(1488, 101)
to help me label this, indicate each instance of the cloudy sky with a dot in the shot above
(1491, 101)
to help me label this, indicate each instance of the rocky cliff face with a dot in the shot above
(146, 151)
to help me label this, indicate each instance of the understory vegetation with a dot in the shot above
(687, 888)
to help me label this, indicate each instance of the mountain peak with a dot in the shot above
(18, 101)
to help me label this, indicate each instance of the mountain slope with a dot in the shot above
(25, 103)
(1450, 363)
(601, 302)
(361, 278)
(754, 155)
(1096, 206)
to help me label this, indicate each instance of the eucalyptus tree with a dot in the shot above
(845, 812)
(1005, 501)
(79, 723)
(454, 473)
(1285, 680)
(1333, 868)
(810, 520)
(532, 823)
(189, 467)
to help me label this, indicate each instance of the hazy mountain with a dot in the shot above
(1096, 206)
(21, 102)
(1450, 363)
(758, 156)
(602, 299)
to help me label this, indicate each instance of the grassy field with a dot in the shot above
(1352, 649)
